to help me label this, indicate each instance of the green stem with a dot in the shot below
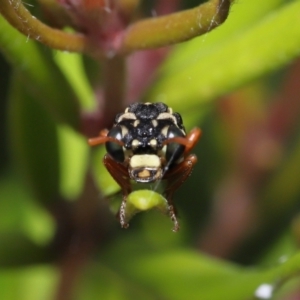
(19, 17)
(175, 28)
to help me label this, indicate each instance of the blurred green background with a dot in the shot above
(239, 211)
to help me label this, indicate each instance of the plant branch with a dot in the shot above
(175, 28)
(19, 17)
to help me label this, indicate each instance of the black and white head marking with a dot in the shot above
(143, 127)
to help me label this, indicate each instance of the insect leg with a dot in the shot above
(193, 138)
(120, 174)
(175, 178)
(188, 141)
(103, 138)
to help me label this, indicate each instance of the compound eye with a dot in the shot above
(174, 150)
(113, 149)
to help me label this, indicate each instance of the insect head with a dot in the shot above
(148, 143)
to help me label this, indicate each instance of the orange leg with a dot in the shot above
(103, 138)
(175, 178)
(188, 141)
(120, 174)
(193, 138)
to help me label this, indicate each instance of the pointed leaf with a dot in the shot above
(34, 142)
(41, 76)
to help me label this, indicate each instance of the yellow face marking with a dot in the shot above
(153, 143)
(144, 174)
(135, 143)
(127, 115)
(145, 161)
(136, 123)
(154, 123)
(164, 116)
(165, 130)
(124, 130)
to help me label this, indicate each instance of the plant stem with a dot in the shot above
(19, 17)
(80, 228)
(114, 88)
(175, 28)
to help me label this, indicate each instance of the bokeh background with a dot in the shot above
(239, 211)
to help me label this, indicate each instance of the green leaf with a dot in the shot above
(34, 142)
(40, 75)
(142, 200)
(74, 157)
(30, 283)
(112, 286)
(19, 213)
(146, 199)
(17, 250)
(183, 274)
(72, 66)
(243, 15)
(216, 67)
(25, 229)
(103, 179)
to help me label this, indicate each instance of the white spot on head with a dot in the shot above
(136, 123)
